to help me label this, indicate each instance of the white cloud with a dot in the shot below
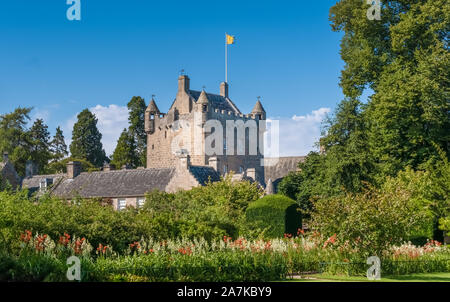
(299, 134)
(112, 120)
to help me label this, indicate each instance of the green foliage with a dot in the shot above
(276, 215)
(61, 166)
(40, 145)
(58, 146)
(212, 211)
(126, 152)
(136, 107)
(376, 218)
(14, 137)
(86, 139)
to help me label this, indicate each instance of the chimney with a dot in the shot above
(30, 169)
(183, 160)
(183, 83)
(214, 163)
(108, 167)
(73, 169)
(251, 173)
(224, 89)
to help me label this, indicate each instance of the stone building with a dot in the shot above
(123, 187)
(184, 128)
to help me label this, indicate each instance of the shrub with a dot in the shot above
(275, 214)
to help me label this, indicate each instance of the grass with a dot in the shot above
(429, 277)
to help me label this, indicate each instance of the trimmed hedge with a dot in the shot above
(276, 214)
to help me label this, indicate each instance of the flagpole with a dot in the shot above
(226, 59)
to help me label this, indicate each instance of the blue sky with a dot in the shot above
(285, 52)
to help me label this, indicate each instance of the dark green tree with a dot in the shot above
(405, 60)
(136, 118)
(40, 145)
(125, 152)
(58, 145)
(14, 137)
(86, 139)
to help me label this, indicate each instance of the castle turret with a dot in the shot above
(151, 113)
(258, 111)
(203, 102)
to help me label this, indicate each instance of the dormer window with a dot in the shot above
(204, 108)
(152, 116)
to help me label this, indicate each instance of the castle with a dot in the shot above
(202, 137)
(184, 129)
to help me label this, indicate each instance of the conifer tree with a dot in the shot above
(86, 140)
(58, 145)
(40, 145)
(136, 107)
(125, 152)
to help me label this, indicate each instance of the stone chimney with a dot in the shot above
(73, 169)
(224, 89)
(183, 83)
(5, 156)
(30, 169)
(251, 173)
(214, 163)
(108, 167)
(183, 160)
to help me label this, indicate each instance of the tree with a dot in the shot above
(86, 139)
(136, 118)
(40, 145)
(14, 137)
(404, 59)
(126, 151)
(58, 146)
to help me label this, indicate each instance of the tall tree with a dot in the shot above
(14, 137)
(405, 60)
(136, 118)
(58, 145)
(86, 139)
(125, 152)
(40, 145)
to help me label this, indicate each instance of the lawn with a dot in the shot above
(430, 277)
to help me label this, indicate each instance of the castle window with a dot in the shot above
(241, 169)
(205, 108)
(152, 116)
(165, 134)
(259, 116)
(153, 147)
(225, 169)
(121, 204)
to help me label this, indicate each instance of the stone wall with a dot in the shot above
(281, 167)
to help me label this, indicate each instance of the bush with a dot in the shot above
(276, 215)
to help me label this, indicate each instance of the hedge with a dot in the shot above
(276, 215)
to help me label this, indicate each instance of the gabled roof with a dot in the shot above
(216, 101)
(120, 183)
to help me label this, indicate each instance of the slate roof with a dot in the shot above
(32, 183)
(217, 101)
(204, 173)
(120, 183)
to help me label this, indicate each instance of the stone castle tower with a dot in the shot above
(194, 115)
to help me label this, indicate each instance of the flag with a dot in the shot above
(230, 39)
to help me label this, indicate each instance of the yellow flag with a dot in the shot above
(230, 39)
